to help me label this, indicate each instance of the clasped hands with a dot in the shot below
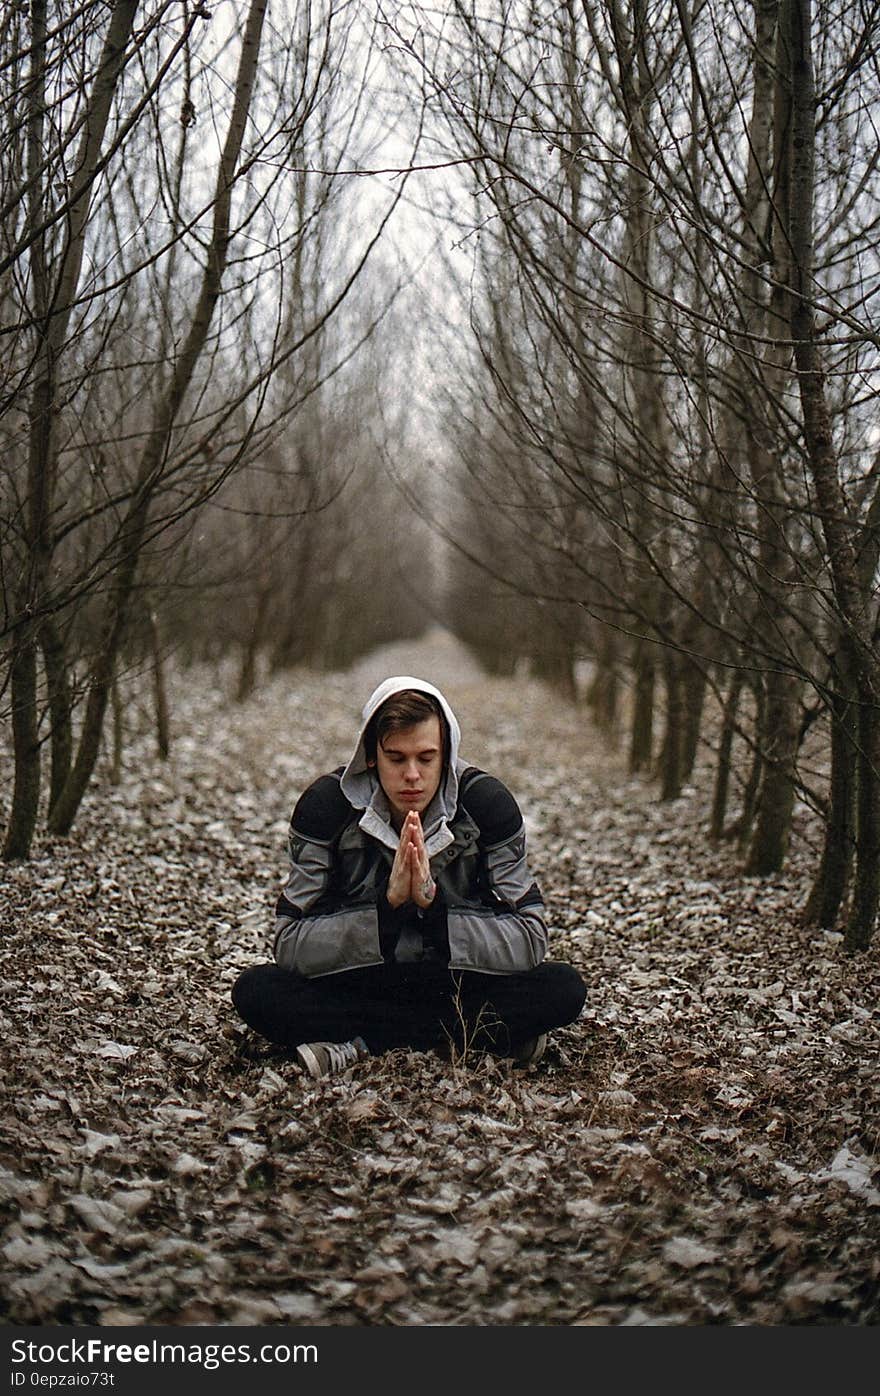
(411, 879)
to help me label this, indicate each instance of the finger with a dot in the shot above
(413, 870)
(422, 869)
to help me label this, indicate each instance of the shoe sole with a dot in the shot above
(536, 1055)
(310, 1061)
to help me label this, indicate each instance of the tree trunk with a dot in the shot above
(118, 733)
(646, 431)
(247, 676)
(778, 740)
(776, 733)
(160, 689)
(693, 685)
(60, 706)
(25, 741)
(26, 748)
(725, 748)
(552, 660)
(866, 891)
(830, 885)
(604, 692)
(742, 827)
(642, 724)
(673, 737)
(748, 381)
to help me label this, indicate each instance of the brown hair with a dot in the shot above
(400, 711)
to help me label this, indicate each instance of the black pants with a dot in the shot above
(420, 1006)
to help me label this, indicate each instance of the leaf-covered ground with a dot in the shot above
(701, 1147)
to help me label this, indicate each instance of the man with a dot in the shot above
(410, 917)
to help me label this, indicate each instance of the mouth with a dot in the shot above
(411, 794)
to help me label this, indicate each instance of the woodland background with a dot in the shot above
(549, 327)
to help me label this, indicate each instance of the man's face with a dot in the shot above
(409, 765)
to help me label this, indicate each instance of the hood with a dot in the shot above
(360, 783)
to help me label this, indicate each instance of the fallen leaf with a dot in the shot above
(688, 1253)
(101, 1216)
(96, 1143)
(116, 1051)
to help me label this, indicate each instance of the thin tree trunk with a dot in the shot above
(247, 676)
(693, 682)
(673, 737)
(740, 426)
(26, 745)
(60, 706)
(604, 692)
(160, 689)
(866, 893)
(831, 881)
(647, 430)
(777, 732)
(292, 643)
(778, 740)
(696, 633)
(742, 827)
(552, 660)
(725, 749)
(642, 724)
(118, 733)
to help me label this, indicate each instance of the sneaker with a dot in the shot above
(326, 1058)
(530, 1052)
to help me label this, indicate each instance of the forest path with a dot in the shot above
(700, 1147)
(437, 656)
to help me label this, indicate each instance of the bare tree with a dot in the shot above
(50, 311)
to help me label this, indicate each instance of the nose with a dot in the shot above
(411, 773)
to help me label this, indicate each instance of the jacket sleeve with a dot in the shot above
(317, 931)
(499, 928)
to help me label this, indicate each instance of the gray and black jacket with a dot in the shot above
(333, 915)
